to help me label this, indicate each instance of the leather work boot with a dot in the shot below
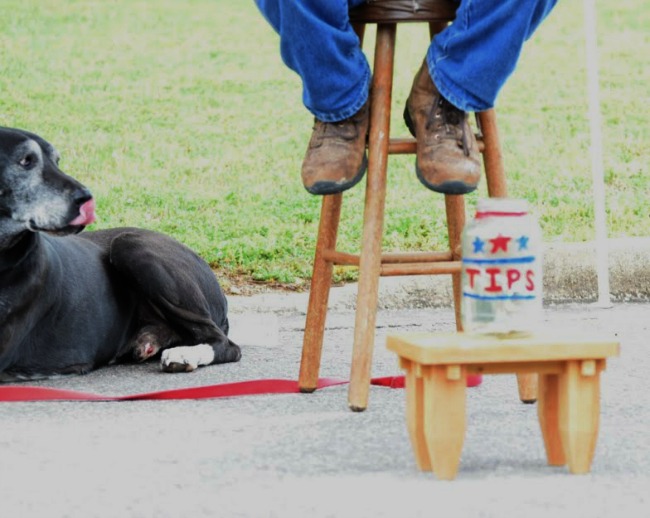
(336, 156)
(447, 152)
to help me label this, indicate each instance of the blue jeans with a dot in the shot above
(469, 61)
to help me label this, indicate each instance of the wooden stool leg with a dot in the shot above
(319, 294)
(579, 393)
(496, 185)
(549, 418)
(455, 208)
(373, 219)
(444, 417)
(414, 388)
(527, 385)
(495, 175)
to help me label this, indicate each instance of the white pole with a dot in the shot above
(602, 262)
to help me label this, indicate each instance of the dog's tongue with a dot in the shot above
(86, 214)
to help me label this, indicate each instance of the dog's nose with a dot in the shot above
(81, 196)
(86, 213)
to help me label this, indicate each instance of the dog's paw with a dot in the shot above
(186, 358)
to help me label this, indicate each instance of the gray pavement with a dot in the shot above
(308, 455)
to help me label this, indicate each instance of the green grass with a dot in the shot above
(181, 117)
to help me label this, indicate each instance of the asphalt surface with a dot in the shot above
(302, 455)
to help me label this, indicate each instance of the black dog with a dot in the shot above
(69, 304)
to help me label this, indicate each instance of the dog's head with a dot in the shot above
(35, 194)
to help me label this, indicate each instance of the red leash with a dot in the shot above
(240, 388)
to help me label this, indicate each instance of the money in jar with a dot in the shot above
(501, 276)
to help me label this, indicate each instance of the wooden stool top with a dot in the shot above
(395, 11)
(460, 348)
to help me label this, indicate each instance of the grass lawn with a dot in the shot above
(181, 117)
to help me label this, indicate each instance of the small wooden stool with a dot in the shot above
(437, 365)
(371, 262)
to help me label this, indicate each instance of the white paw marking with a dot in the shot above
(192, 356)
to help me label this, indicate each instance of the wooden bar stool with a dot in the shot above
(371, 262)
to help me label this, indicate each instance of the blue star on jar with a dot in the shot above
(523, 242)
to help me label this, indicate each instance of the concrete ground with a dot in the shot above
(307, 455)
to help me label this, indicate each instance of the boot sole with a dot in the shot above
(446, 187)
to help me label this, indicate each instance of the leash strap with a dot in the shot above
(240, 388)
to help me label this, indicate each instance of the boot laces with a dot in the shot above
(345, 129)
(451, 120)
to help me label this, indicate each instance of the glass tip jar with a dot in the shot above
(501, 275)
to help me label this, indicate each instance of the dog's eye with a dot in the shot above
(28, 160)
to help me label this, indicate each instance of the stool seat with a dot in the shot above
(482, 350)
(437, 366)
(398, 11)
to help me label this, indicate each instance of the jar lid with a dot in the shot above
(496, 206)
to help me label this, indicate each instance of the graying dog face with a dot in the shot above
(34, 193)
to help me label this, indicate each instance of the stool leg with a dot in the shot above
(444, 417)
(436, 27)
(455, 209)
(414, 388)
(549, 418)
(579, 413)
(495, 175)
(373, 218)
(319, 294)
(496, 185)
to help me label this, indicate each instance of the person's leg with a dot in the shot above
(465, 67)
(472, 59)
(319, 44)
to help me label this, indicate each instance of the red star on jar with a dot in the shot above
(499, 243)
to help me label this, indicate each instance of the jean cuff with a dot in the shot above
(452, 92)
(349, 111)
